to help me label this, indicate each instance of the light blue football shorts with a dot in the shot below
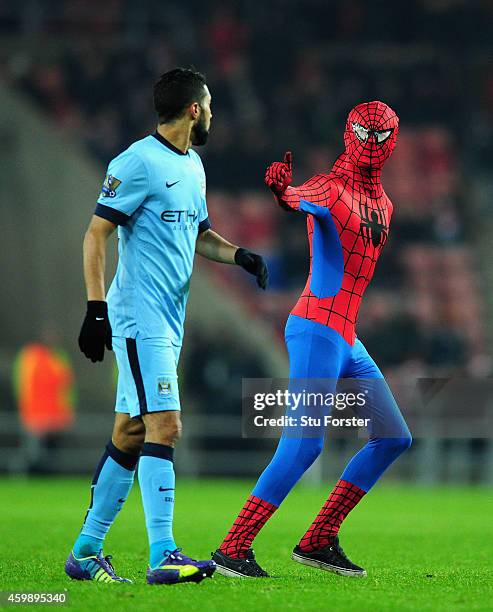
(147, 376)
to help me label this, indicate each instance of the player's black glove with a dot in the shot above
(95, 333)
(254, 264)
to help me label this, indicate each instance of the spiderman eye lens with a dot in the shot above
(361, 132)
(382, 136)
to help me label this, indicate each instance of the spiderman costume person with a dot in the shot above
(348, 215)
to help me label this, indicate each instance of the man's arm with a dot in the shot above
(96, 333)
(94, 251)
(216, 248)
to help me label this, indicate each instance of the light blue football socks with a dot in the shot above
(157, 485)
(110, 487)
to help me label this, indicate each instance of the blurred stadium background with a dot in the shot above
(75, 89)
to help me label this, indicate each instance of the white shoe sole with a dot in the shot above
(326, 567)
(229, 573)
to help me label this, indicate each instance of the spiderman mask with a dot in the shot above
(370, 135)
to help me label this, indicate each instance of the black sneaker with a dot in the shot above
(238, 568)
(331, 558)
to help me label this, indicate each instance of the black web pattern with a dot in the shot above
(253, 516)
(326, 525)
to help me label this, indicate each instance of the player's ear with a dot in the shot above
(194, 110)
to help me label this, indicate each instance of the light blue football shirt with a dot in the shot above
(156, 194)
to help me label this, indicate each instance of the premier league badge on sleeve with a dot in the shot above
(110, 185)
(163, 387)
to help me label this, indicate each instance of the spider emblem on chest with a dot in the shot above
(372, 227)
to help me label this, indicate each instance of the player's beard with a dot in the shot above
(200, 132)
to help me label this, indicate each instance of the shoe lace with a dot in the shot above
(250, 559)
(337, 547)
(174, 554)
(105, 563)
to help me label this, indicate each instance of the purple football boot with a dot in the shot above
(95, 567)
(177, 567)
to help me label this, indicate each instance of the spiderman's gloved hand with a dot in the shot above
(279, 175)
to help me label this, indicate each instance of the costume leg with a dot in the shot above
(311, 355)
(389, 437)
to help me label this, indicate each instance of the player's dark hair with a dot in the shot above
(175, 90)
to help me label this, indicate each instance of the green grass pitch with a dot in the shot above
(424, 549)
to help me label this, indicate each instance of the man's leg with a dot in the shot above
(389, 438)
(359, 476)
(167, 564)
(312, 355)
(110, 487)
(152, 393)
(290, 461)
(157, 481)
(111, 484)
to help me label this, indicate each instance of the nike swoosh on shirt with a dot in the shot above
(171, 184)
(99, 318)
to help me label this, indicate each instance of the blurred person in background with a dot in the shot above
(45, 394)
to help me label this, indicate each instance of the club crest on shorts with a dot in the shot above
(163, 387)
(110, 185)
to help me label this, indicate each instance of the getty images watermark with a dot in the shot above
(308, 408)
(440, 408)
(304, 407)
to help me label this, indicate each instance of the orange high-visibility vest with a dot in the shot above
(44, 384)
